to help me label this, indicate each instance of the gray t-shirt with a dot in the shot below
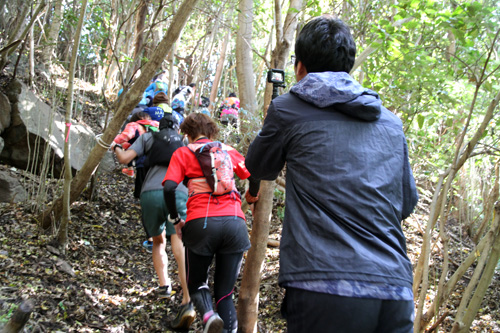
(156, 173)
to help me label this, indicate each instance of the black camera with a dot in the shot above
(276, 76)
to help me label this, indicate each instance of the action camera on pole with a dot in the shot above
(277, 78)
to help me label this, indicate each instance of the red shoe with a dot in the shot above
(128, 172)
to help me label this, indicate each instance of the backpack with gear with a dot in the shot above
(165, 143)
(217, 168)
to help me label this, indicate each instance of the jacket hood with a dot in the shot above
(340, 90)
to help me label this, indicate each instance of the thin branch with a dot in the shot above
(492, 47)
(438, 322)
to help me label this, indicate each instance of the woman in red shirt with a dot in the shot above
(215, 226)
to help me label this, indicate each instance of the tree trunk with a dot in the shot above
(62, 235)
(4, 56)
(284, 40)
(53, 33)
(2, 12)
(31, 60)
(244, 66)
(263, 63)
(201, 73)
(69, 33)
(171, 58)
(171, 66)
(140, 19)
(195, 67)
(13, 33)
(127, 66)
(106, 69)
(220, 65)
(248, 302)
(119, 28)
(487, 275)
(248, 298)
(124, 106)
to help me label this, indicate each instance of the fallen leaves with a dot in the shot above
(105, 281)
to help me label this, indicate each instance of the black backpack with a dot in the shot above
(165, 142)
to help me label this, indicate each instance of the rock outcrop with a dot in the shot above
(31, 130)
(11, 188)
(5, 111)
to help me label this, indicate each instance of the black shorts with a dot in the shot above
(218, 234)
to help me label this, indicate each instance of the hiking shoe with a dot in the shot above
(148, 246)
(164, 291)
(128, 172)
(184, 317)
(214, 324)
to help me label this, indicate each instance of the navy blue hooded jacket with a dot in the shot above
(348, 182)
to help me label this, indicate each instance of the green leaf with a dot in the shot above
(459, 10)
(488, 86)
(414, 3)
(420, 121)
(412, 24)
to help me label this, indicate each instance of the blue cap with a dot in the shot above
(155, 112)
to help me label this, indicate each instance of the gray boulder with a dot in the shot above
(5, 111)
(35, 126)
(11, 189)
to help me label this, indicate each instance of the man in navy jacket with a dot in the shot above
(349, 185)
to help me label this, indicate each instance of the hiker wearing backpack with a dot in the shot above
(139, 123)
(160, 108)
(182, 97)
(203, 104)
(158, 84)
(349, 185)
(143, 103)
(158, 148)
(228, 111)
(215, 224)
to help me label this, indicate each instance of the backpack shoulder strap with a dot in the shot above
(194, 146)
(224, 146)
(151, 128)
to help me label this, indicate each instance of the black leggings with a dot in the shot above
(227, 268)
